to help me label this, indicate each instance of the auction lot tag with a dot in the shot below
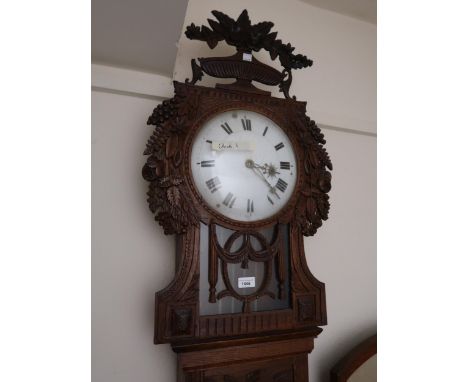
(246, 282)
(247, 57)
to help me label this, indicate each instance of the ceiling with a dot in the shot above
(143, 34)
(360, 9)
(139, 34)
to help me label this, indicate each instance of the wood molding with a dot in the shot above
(353, 360)
(277, 358)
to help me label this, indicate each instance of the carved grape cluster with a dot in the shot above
(315, 131)
(163, 112)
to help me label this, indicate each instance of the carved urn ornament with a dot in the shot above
(240, 177)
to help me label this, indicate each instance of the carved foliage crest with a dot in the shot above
(245, 36)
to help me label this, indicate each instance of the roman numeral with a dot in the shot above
(226, 128)
(214, 184)
(246, 124)
(285, 165)
(265, 131)
(279, 146)
(229, 200)
(250, 206)
(281, 185)
(208, 163)
(269, 199)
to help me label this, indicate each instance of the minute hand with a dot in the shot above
(272, 188)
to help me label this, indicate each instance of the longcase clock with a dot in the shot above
(239, 177)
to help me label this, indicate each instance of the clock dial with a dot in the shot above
(243, 165)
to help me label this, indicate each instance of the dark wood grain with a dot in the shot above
(280, 358)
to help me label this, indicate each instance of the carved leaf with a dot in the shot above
(262, 29)
(225, 21)
(217, 27)
(173, 195)
(243, 21)
(175, 180)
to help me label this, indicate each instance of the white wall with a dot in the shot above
(132, 258)
(343, 252)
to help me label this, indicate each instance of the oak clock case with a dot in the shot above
(239, 177)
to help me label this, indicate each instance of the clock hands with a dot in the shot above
(249, 163)
(269, 169)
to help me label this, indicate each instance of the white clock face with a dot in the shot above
(243, 165)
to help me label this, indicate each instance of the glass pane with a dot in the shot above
(246, 277)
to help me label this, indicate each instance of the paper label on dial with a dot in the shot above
(246, 282)
(233, 146)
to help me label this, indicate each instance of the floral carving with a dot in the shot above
(168, 200)
(313, 204)
(167, 196)
(247, 37)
